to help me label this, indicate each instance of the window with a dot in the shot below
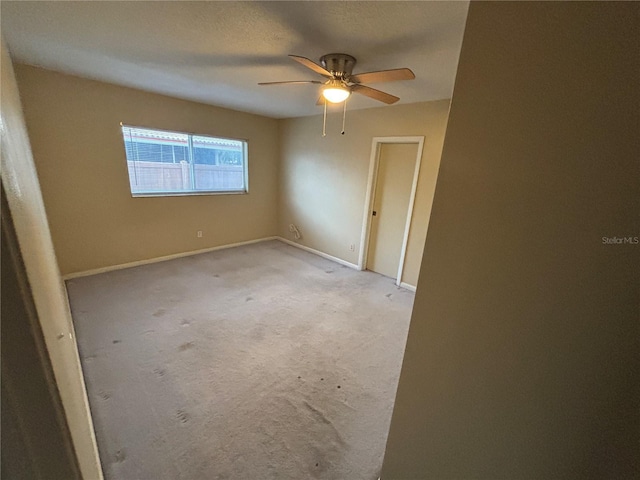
(173, 163)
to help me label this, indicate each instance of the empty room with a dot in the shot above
(335, 240)
(240, 257)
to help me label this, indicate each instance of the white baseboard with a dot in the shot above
(319, 253)
(407, 286)
(138, 263)
(149, 261)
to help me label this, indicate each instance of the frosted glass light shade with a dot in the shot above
(336, 94)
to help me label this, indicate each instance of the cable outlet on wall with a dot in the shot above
(352, 247)
(199, 234)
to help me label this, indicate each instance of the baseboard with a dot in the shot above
(320, 254)
(149, 261)
(407, 286)
(138, 263)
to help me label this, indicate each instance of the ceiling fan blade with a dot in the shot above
(383, 76)
(312, 65)
(290, 82)
(375, 94)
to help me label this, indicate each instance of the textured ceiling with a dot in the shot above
(217, 52)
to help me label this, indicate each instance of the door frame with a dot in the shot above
(372, 180)
(24, 198)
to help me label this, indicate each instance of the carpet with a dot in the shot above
(255, 362)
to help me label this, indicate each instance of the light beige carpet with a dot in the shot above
(257, 362)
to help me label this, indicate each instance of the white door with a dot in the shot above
(396, 166)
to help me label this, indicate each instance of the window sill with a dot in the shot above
(186, 194)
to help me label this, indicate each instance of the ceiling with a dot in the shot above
(216, 52)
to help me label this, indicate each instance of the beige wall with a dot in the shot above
(522, 355)
(74, 127)
(323, 181)
(96, 223)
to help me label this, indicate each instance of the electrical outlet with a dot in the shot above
(352, 247)
(199, 234)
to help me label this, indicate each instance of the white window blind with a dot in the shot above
(172, 163)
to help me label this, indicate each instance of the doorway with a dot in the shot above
(391, 189)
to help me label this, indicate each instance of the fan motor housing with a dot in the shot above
(339, 64)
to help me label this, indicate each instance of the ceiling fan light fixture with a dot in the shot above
(335, 93)
(337, 68)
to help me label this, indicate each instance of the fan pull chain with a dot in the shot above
(324, 119)
(344, 116)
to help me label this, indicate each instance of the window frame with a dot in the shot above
(188, 193)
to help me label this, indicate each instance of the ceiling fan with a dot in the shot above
(337, 68)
